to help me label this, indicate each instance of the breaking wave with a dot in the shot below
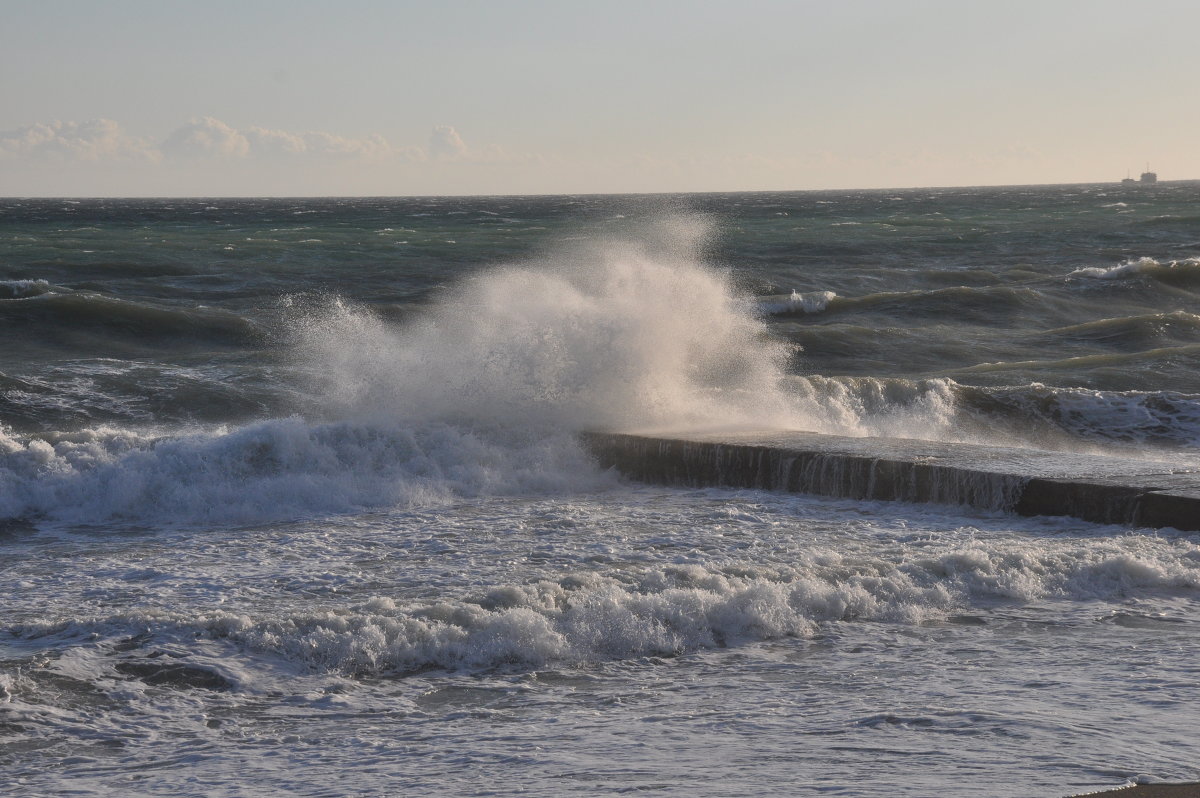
(1175, 272)
(805, 303)
(1034, 415)
(21, 289)
(662, 611)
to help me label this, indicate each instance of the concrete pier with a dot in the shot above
(1108, 490)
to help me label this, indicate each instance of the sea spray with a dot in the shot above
(598, 334)
(479, 394)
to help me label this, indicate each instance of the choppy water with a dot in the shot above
(291, 499)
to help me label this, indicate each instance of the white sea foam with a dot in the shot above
(1133, 417)
(591, 617)
(863, 406)
(809, 302)
(1141, 266)
(276, 469)
(1037, 415)
(21, 289)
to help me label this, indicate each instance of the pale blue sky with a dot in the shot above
(367, 97)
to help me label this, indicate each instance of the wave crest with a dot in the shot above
(1185, 272)
(666, 611)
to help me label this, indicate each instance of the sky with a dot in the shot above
(375, 98)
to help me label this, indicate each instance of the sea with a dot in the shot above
(292, 499)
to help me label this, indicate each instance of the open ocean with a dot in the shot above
(291, 499)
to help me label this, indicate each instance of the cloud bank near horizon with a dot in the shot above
(209, 157)
(210, 138)
(91, 140)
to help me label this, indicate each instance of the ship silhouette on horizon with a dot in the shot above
(1148, 178)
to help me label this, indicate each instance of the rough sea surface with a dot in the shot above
(291, 499)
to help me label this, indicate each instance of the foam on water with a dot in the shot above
(275, 469)
(1186, 269)
(1131, 418)
(609, 614)
(590, 617)
(796, 302)
(667, 609)
(1132, 423)
(21, 289)
(867, 406)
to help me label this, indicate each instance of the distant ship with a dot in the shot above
(1148, 179)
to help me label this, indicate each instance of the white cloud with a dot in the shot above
(275, 142)
(206, 137)
(446, 145)
(209, 137)
(208, 156)
(373, 147)
(91, 140)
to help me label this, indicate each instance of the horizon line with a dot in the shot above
(1117, 184)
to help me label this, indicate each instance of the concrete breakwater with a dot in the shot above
(1102, 489)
